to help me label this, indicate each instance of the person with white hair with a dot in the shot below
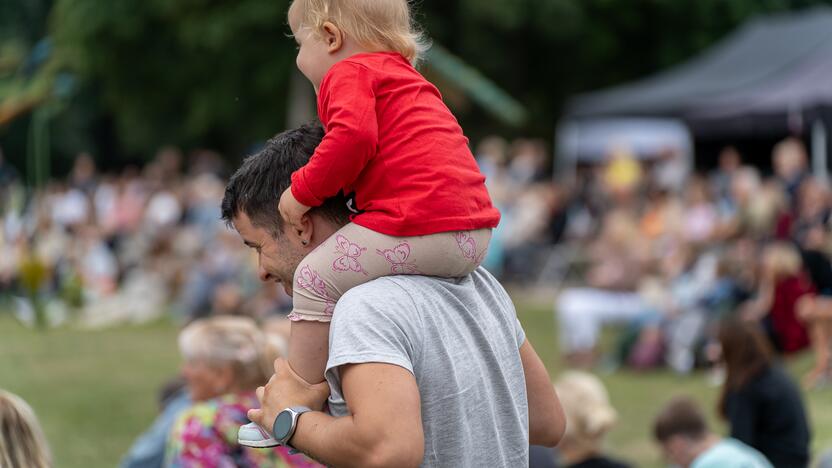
(226, 359)
(589, 416)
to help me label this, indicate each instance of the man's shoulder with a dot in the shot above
(412, 290)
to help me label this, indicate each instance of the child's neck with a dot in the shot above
(350, 49)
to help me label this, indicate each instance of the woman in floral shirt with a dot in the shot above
(226, 359)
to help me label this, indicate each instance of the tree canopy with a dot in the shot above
(216, 73)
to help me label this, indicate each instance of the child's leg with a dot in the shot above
(355, 255)
(309, 349)
(446, 254)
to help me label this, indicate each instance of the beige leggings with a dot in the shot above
(355, 255)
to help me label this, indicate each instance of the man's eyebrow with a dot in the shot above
(249, 244)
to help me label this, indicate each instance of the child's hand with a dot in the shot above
(291, 209)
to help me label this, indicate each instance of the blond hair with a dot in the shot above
(232, 341)
(589, 414)
(782, 260)
(375, 24)
(22, 443)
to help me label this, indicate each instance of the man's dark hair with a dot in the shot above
(680, 416)
(256, 187)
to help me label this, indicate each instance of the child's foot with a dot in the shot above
(252, 435)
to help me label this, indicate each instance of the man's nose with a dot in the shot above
(263, 274)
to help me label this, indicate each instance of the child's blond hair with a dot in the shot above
(374, 24)
(21, 439)
(782, 260)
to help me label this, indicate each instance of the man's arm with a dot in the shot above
(384, 428)
(546, 419)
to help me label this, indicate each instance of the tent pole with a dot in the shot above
(819, 148)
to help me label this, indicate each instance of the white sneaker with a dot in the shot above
(252, 435)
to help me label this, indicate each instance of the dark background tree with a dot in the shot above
(216, 73)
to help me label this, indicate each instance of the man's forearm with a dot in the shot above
(335, 441)
(383, 429)
(325, 438)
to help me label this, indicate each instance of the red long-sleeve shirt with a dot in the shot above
(391, 140)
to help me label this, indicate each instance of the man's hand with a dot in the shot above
(291, 209)
(284, 390)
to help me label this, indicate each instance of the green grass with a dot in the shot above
(94, 391)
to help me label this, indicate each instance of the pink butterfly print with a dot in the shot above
(348, 260)
(468, 246)
(312, 282)
(397, 256)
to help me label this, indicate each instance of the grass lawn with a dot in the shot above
(94, 391)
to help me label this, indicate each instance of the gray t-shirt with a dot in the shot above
(460, 338)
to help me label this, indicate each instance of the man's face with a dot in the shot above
(277, 258)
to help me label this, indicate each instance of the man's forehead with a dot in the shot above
(251, 234)
(242, 225)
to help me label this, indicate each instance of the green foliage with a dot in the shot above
(216, 72)
(188, 72)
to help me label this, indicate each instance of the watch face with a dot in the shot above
(283, 424)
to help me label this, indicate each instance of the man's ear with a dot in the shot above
(305, 231)
(333, 37)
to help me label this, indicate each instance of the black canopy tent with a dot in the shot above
(772, 76)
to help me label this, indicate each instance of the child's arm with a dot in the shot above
(348, 111)
(309, 349)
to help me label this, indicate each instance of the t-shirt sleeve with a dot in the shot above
(348, 111)
(519, 333)
(374, 323)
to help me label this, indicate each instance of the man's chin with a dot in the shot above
(287, 289)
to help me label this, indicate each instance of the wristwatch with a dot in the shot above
(286, 423)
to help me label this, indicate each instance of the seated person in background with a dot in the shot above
(782, 285)
(681, 430)
(816, 311)
(589, 416)
(226, 359)
(617, 261)
(763, 406)
(22, 444)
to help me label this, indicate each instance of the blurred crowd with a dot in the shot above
(647, 243)
(722, 269)
(133, 245)
(670, 257)
(109, 248)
